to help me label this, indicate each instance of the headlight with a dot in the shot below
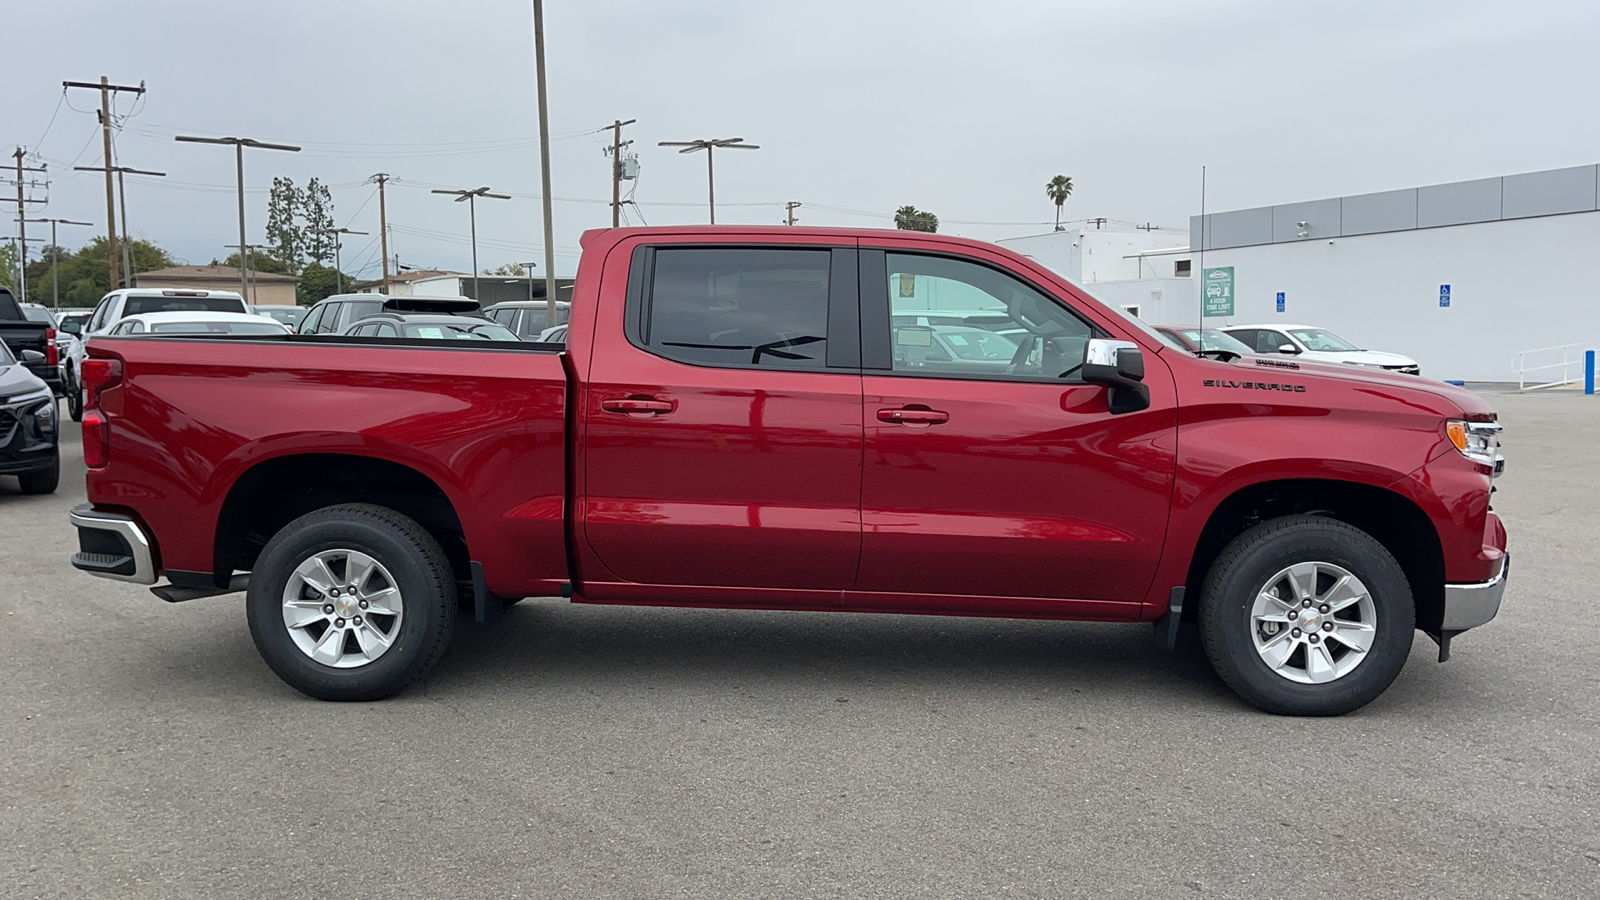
(1477, 441)
(45, 417)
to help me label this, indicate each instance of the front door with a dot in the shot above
(722, 433)
(992, 470)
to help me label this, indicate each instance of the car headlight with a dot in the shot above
(1477, 441)
(45, 417)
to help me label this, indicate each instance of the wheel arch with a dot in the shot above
(273, 492)
(1391, 518)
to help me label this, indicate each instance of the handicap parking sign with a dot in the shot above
(1444, 295)
(1280, 301)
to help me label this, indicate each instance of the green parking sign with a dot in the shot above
(1218, 287)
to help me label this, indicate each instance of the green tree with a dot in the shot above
(510, 270)
(85, 274)
(259, 262)
(909, 218)
(299, 222)
(1058, 189)
(318, 281)
(316, 214)
(284, 234)
(8, 264)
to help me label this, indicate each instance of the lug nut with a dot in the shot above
(1295, 632)
(1327, 626)
(1305, 603)
(327, 608)
(1324, 608)
(1293, 614)
(338, 623)
(1314, 639)
(356, 620)
(334, 592)
(362, 604)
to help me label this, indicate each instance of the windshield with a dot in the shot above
(38, 314)
(215, 328)
(288, 316)
(1322, 339)
(165, 303)
(1212, 339)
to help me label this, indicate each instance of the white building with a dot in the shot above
(1459, 276)
(1143, 270)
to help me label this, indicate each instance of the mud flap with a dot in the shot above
(1167, 625)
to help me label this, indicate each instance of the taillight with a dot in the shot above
(96, 440)
(96, 376)
(52, 353)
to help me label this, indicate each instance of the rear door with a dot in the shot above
(722, 434)
(1001, 489)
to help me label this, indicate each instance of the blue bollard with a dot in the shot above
(1588, 371)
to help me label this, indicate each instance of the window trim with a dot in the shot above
(877, 310)
(842, 312)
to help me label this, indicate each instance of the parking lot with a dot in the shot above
(590, 751)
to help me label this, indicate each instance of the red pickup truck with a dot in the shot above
(762, 418)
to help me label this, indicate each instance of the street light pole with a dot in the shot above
(338, 267)
(55, 253)
(127, 241)
(709, 145)
(528, 268)
(238, 146)
(472, 200)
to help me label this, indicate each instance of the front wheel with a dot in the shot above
(1307, 615)
(351, 602)
(43, 481)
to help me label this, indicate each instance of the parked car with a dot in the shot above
(730, 426)
(31, 339)
(432, 326)
(1209, 342)
(951, 347)
(197, 323)
(287, 315)
(29, 430)
(1313, 344)
(334, 314)
(556, 335)
(65, 341)
(529, 318)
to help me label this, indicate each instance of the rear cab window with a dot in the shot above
(181, 303)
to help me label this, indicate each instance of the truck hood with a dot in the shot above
(1452, 401)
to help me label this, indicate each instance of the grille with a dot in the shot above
(9, 425)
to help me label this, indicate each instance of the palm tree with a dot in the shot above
(1059, 189)
(909, 218)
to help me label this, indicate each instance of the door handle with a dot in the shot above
(913, 416)
(639, 407)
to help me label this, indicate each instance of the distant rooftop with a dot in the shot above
(409, 276)
(1552, 192)
(213, 273)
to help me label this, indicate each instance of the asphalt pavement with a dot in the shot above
(576, 751)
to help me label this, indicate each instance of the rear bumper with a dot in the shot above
(1470, 605)
(112, 546)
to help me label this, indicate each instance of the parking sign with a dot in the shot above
(1280, 301)
(1218, 292)
(1444, 295)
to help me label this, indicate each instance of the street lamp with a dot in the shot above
(528, 266)
(338, 268)
(472, 203)
(709, 146)
(238, 147)
(55, 253)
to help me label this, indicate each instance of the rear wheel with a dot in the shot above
(44, 481)
(74, 397)
(1306, 615)
(351, 602)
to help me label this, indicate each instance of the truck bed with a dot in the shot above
(483, 424)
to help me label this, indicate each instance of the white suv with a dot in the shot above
(1308, 342)
(133, 301)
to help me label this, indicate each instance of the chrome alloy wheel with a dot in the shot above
(1313, 622)
(342, 608)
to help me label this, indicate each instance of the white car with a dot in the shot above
(1308, 342)
(197, 323)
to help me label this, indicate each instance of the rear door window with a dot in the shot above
(308, 325)
(330, 318)
(733, 306)
(181, 303)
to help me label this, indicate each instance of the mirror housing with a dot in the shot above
(31, 356)
(1288, 348)
(72, 326)
(1119, 366)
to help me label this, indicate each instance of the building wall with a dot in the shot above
(266, 294)
(1160, 301)
(1515, 284)
(1089, 255)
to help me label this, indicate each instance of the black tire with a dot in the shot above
(419, 570)
(44, 481)
(1242, 571)
(74, 398)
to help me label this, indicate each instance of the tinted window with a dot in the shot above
(356, 310)
(97, 321)
(329, 322)
(38, 314)
(308, 325)
(166, 303)
(1046, 341)
(384, 329)
(743, 307)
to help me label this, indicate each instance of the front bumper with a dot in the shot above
(1470, 605)
(112, 546)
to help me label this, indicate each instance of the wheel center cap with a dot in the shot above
(1310, 622)
(347, 606)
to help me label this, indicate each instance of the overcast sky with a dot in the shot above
(964, 109)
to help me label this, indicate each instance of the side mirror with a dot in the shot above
(1288, 348)
(1119, 365)
(32, 356)
(72, 326)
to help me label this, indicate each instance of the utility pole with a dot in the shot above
(338, 267)
(472, 203)
(383, 227)
(248, 252)
(238, 148)
(22, 228)
(709, 145)
(122, 198)
(55, 253)
(106, 89)
(544, 165)
(617, 144)
(789, 208)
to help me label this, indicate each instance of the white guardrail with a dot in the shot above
(1569, 369)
